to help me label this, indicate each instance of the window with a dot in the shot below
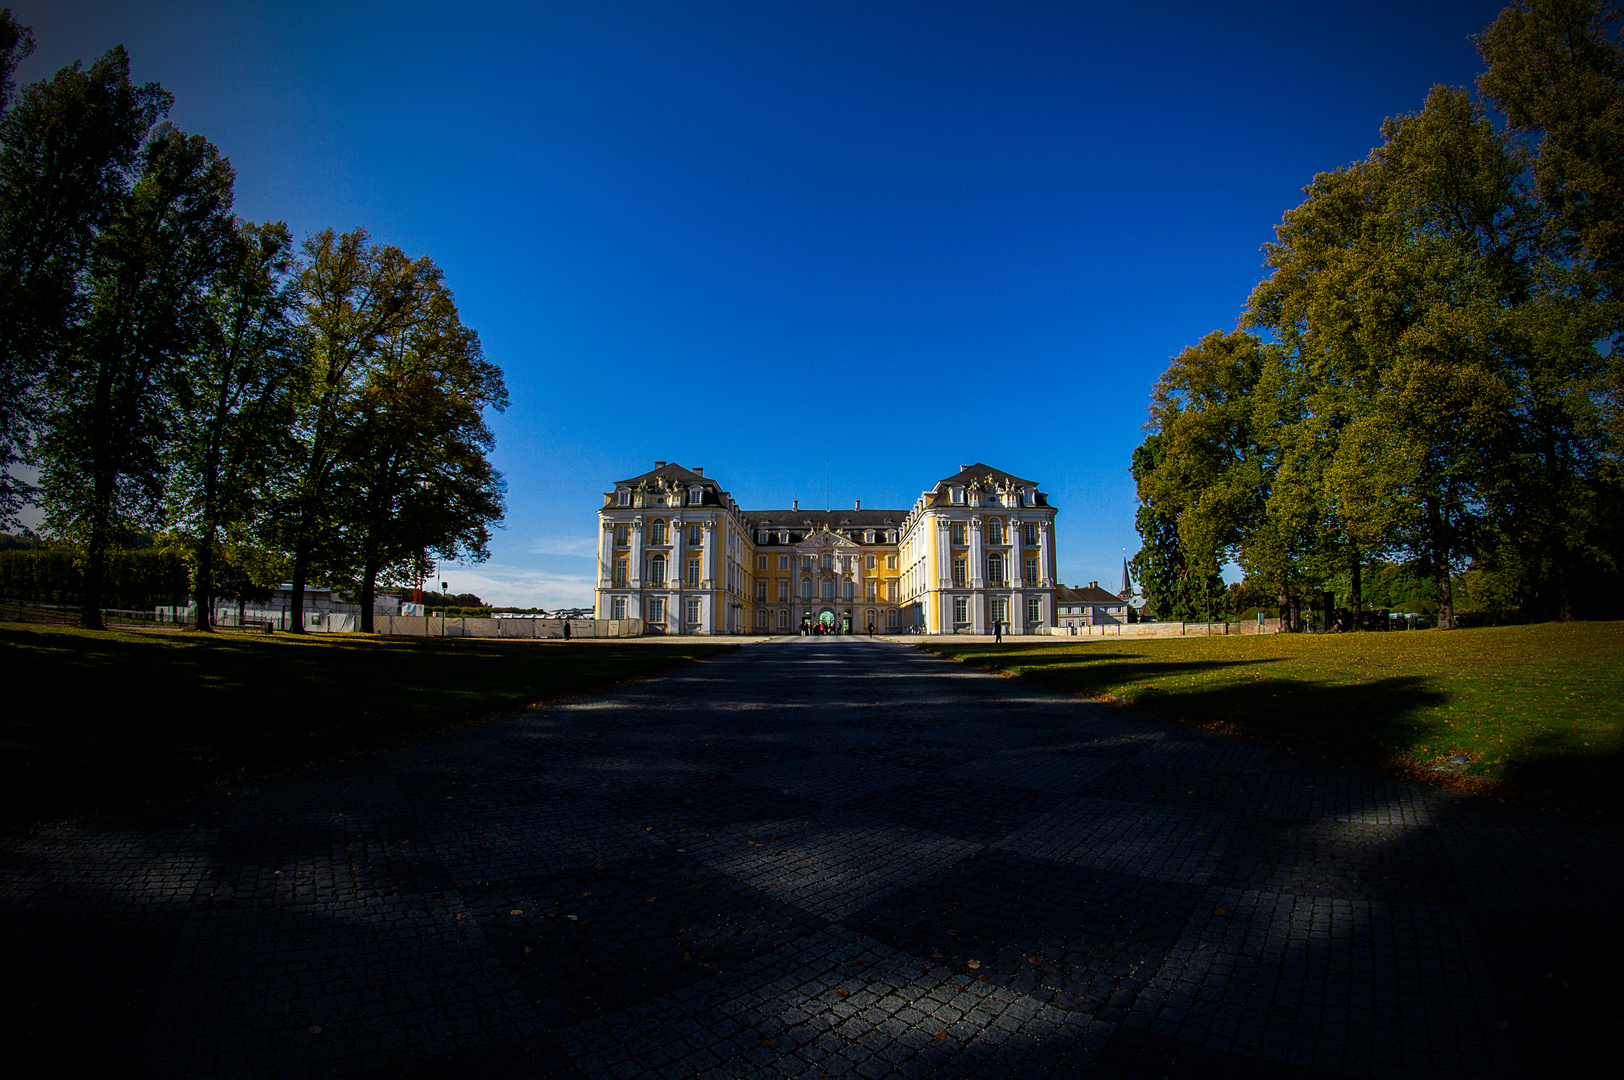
(761, 562)
(891, 590)
(617, 608)
(890, 536)
(828, 588)
(693, 572)
(890, 562)
(783, 538)
(783, 562)
(1031, 571)
(656, 532)
(868, 536)
(621, 535)
(693, 611)
(783, 590)
(1034, 611)
(761, 538)
(624, 499)
(1000, 610)
(696, 535)
(696, 496)
(961, 611)
(959, 574)
(958, 496)
(870, 563)
(955, 532)
(828, 561)
(870, 590)
(620, 573)
(995, 569)
(806, 563)
(995, 532)
(656, 570)
(783, 618)
(656, 612)
(870, 618)
(761, 590)
(1031, 532)
(806, 588)
(891, 619)
(851, 589)
(761, 619)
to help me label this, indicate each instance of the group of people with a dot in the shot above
(817, 627)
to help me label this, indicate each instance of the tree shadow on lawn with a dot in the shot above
(96, 719)
(1397, 721)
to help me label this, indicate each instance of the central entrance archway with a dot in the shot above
(827, 618)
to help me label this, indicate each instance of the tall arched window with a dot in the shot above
(828, 588)
(656, 570)
(806, 588)
(656, 532)
(995, 569)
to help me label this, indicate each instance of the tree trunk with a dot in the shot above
(1356, 600)
(301, 567)
(90, 593)
(1440, 567)
(369, 590)
(204, 591)
(1564, 595)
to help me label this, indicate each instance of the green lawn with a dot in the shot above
(1539, 705)
(93, 719)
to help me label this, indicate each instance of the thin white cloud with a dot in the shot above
(583, 546)
(514, 586)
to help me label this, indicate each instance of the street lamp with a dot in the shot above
(442, 608)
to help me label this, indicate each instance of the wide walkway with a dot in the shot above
(817, 857)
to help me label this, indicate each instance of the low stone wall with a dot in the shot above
(1168, 629)
(529, 629)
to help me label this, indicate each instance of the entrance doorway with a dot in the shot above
(827, 618)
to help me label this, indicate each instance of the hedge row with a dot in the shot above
(136, 580)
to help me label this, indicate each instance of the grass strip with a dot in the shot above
(1528, 707)
(95, 719)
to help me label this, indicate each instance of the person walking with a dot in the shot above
(566, 629)
(998, 631)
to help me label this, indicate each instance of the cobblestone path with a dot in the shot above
(817, 857)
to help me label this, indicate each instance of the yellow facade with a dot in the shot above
(976, 550)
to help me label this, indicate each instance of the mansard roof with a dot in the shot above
(673, 475)
(983, 472)
(1086, 594)
(834, 519)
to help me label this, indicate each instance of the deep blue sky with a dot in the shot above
(753, 236)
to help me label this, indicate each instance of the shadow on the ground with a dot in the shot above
(1398, 718)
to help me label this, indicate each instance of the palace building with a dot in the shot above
(974, 551)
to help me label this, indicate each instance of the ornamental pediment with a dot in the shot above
(826, 539)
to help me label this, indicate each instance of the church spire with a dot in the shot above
(1127, 582)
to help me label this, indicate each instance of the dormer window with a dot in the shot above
(623, 496)
(890, 536)
(958, 496)
(783, 538)
(868, 536)
(696, 496)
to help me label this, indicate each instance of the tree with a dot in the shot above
(69, 149)
(229, 442)
(416, 476)
(1160, 564)
(357, 298)
(138, 317)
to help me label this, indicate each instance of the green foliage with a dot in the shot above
(172, 368)
(135, 580)
(1440, 385)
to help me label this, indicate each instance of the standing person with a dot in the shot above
(566, 629)
(998, 631)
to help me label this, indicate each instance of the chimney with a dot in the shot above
(795, 504)
(659, 464)
(1093, 584)
(859, 504)
(699, 470)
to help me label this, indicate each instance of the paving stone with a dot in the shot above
(816, 857)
